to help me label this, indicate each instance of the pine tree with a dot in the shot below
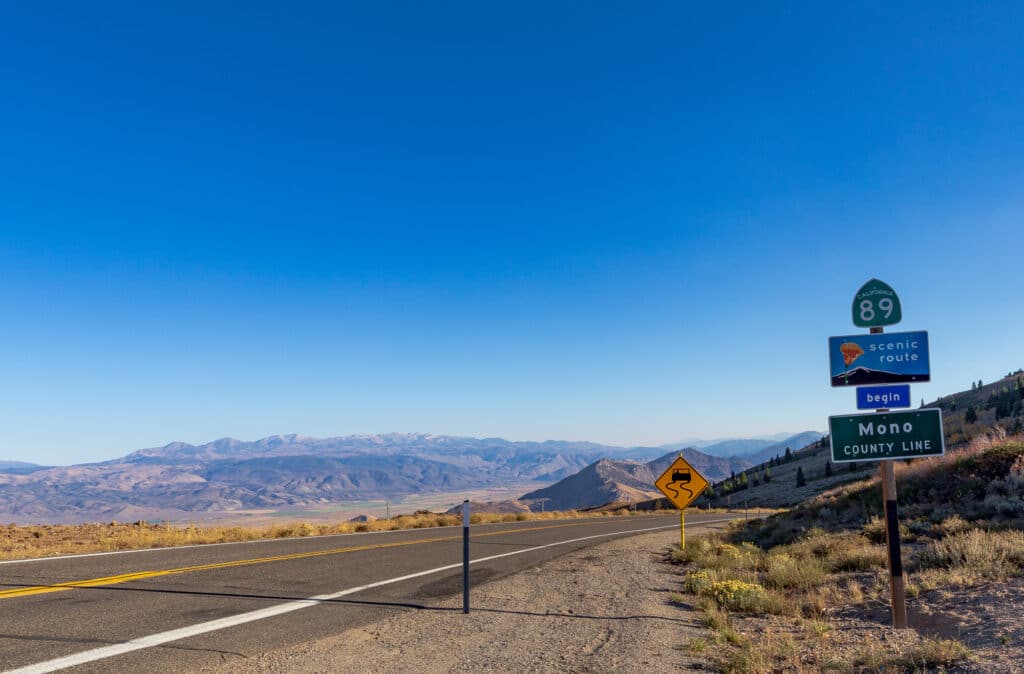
(767, 475)
(800, 479)
(970, 416)
(828, 469)
(789, 455)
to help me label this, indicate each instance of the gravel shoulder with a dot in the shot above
(601, 609)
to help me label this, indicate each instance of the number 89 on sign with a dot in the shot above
(875, 305)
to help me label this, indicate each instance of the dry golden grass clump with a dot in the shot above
(23, 542)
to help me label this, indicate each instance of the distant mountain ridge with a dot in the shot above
(749, 447)
(177, 480)
(19, 467)
(737, 447)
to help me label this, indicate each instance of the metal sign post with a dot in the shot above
(465, 556)
(682, 529)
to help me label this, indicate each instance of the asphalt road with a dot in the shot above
(178, 609)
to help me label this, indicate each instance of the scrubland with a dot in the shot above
(808, 590)
(22, 542)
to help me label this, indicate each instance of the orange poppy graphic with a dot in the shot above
(851, 352)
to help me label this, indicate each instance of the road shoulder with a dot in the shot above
(600, 609)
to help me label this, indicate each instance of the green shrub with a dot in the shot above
(698, 582)
(737, 595)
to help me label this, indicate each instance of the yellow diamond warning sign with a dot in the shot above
(681, 483)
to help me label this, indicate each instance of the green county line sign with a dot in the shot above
(875, 305)
(889, 435)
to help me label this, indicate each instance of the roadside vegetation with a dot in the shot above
(808, 590)
(23, 542)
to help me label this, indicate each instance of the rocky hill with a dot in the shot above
(601, 482)
(608, 481)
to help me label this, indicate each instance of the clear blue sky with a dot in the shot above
(620, 222)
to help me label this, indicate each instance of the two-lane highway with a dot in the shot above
(183, 608)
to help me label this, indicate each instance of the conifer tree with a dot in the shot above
(800, 479)
(828, 469)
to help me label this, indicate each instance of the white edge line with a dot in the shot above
(278, 540)
(231, 621)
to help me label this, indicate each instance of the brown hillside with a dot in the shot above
(999, 411)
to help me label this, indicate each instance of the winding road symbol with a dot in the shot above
(680, 477)
(681, 483)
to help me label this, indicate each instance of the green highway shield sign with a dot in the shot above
(875, 305)
(881, 437)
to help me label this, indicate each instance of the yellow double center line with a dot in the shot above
(143, 575)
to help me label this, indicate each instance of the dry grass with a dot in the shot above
(981, 483)
(789, 573)
(967, 559)
(781, 593)
(927, 654)
(23, 542)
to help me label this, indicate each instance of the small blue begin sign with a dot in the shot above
(883, 397)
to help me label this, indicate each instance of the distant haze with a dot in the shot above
(179, 481)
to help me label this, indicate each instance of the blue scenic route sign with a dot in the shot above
(883, 397)
(889, 358)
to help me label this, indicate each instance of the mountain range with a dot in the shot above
(179, 480)
(746, 447)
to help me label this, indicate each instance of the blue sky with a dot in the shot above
(616, 222)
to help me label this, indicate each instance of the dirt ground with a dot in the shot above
(603, 609)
